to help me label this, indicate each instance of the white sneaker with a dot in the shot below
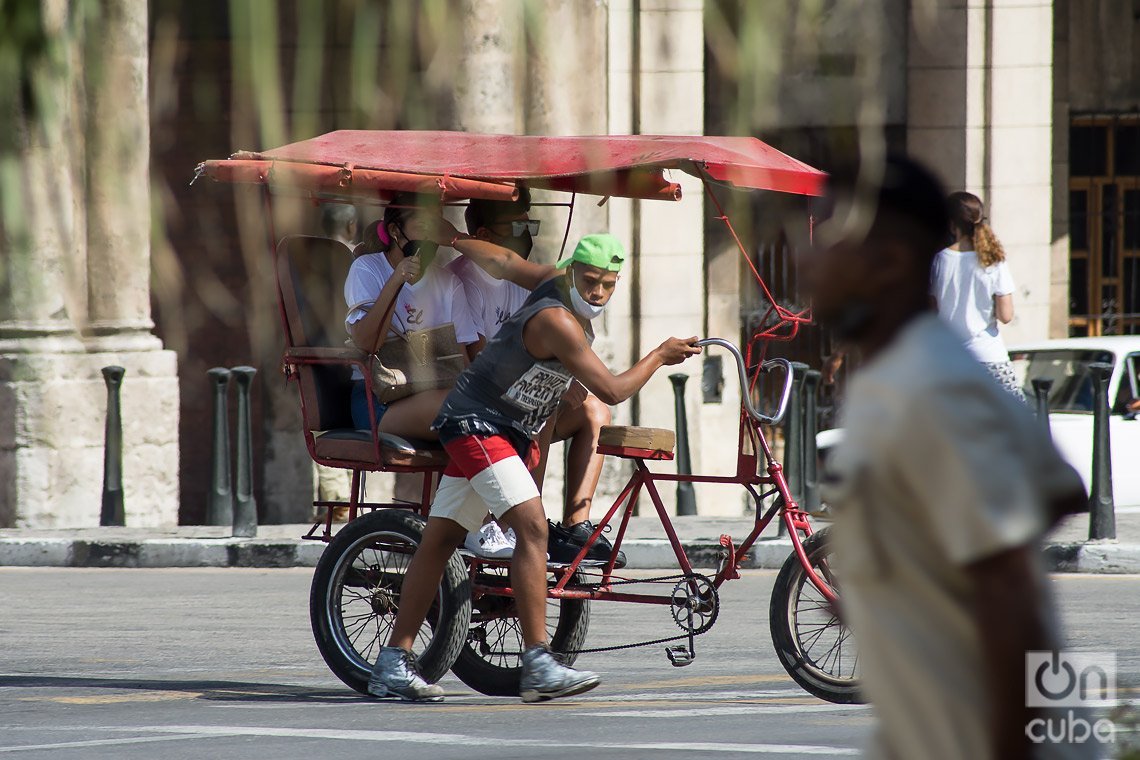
(490, 542)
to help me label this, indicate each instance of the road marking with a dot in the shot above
(693, 712)
(667, 683)
(410, 737)
(96, 743)
(116, 699)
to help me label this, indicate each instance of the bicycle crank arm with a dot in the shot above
(681, 655)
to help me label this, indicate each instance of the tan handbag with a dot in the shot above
(415, 361)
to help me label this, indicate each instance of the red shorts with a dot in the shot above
(485, 474)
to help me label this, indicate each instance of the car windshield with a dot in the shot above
(1072, 389)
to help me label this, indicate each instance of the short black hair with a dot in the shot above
(483, 213)
(336, 216)
(908, 203)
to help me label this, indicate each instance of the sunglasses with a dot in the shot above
(518, 227)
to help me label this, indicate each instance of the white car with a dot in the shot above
(1066, 363)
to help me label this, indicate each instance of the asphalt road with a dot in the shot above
(220, 663)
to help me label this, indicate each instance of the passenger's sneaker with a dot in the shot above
(544, 677)
(565, 543)
(396, 674)
(490, 542)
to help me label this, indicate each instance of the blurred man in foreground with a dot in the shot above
(942, 489)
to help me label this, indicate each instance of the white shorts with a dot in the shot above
(485, 474)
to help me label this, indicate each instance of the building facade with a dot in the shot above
(1033, 105)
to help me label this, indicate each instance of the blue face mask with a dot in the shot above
(582, 307)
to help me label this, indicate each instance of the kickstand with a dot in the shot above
(681, 655)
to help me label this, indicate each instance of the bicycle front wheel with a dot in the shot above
(813, 644)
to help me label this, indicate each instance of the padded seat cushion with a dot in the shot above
(356, 446)
(651, 439)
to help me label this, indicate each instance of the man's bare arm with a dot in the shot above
(503, 263)
(499, 262)
(1008, 615)
(558, 335)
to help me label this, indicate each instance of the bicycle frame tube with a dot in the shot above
(643, 478)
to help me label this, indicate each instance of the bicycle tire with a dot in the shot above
(349, 649)
(791, 639)
(494, 668)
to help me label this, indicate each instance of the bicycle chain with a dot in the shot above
(652, 642)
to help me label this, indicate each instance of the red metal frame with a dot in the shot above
(746, 475)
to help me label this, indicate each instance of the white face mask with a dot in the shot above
(584, 308)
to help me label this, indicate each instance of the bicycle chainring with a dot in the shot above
(695, 604)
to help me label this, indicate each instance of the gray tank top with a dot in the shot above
(506, 391)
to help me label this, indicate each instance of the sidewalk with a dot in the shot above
(645, 546)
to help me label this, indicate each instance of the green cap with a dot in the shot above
(600, 250)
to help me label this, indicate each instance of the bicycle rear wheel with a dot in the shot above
(356, 594)
(491, 659)
(813, 644)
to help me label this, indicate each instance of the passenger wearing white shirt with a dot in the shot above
(580, 416)
(426, 295)
(942, 490)
(973, 287)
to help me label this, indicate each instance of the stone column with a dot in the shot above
(488, 86)
(565, 94)
(671, 279)
(51, 442)
(980, 111)
(118, 179)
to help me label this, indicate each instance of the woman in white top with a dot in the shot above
(389, 266)
(973, 288)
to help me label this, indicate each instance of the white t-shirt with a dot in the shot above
(939, 468)
(492, 301)
(437, 299)
(965, 294)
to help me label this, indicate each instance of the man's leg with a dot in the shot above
(395, 673)
(440, 538)
(545, 438)
(582, 426)
(528, 568)
(543, 676)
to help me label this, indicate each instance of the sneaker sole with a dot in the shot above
(383, 692)
(532, 695)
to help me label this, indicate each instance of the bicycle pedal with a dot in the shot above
(679, 655)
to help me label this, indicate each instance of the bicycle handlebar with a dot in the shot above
(745, 396)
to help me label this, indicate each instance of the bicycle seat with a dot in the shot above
(356, 445)
(636, 442)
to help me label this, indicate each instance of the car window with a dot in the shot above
(1072, 389)
(1128, 394)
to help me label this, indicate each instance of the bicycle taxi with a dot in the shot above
(472, 628)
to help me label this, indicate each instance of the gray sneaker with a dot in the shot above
(544, 677)
(395, 674)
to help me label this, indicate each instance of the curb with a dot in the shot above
(1100, 557)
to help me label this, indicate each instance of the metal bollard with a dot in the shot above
(113, 512)
(794, 438)
(812, 379)
(1102, 517)
(245, 507)
(1041, 388)
(220, 508)
(686, 495)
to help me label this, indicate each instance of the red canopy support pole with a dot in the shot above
(569, 219)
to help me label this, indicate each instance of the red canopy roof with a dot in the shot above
(461, 164)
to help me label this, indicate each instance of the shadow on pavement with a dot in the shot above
(220, 691)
